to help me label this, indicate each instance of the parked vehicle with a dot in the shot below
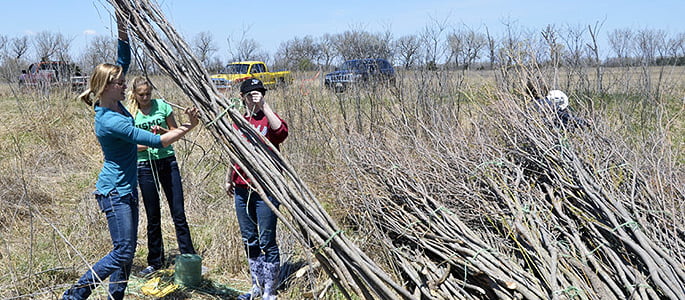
(52, 73)
(360, 70)
(236, 72)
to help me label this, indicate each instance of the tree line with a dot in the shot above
(438, 45)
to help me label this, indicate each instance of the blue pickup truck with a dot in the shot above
(358, 71)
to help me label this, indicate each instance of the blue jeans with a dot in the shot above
(257, 225)
(122, 220)
(152, 174)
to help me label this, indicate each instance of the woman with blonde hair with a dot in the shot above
(116, 191)
(158, 167)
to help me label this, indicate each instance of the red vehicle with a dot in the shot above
(52, 73)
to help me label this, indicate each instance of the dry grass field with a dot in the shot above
(434, 129)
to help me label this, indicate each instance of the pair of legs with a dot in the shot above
(152, 174)
(258, 230)
(122, 220)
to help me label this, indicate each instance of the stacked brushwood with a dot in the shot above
(349, 268)
(513, 204)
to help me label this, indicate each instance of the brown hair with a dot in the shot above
(102, 75)
(132, 104)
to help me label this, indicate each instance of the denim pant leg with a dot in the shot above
(267, 230)
(125, 249)
(247, 220)
(122, 221)
(170, 178)
(257, 225)
(149, 184)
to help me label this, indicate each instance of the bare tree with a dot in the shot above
(407, 49)
(51, 45)
(284, 55)
(550, 36)
(574, 58)
(510, 56)
(299, 53)
(594, 50)
(510, 45)
(4, 41)
(204, 46)
(621, 42)
(20, 46)
(649, 43)
(455, 43)
(98, 50)
(466, 44)
(385, 39)
(8, 64)
(356, 43)
(676, 49)
(245, 48)
(432, 37)
(327, 51)
(12, 55)
(491, 47)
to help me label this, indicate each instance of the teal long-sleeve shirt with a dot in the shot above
(118, 138)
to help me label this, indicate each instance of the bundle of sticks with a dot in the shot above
(349, 268)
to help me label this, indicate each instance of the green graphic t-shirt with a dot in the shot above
(159, 111)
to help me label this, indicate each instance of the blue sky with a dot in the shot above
(272, 22)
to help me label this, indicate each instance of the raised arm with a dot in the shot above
(123, 47)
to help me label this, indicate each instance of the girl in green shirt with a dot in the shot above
(158, 167)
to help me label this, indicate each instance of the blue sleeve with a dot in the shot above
(570, 120)
(124, 129)
(123, 55)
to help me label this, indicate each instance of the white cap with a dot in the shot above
(558, 98)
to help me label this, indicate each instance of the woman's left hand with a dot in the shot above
(193, 115)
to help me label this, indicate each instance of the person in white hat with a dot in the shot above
(558, 100)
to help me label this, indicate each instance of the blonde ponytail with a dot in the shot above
(86, 97)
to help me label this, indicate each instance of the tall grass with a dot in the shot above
(442, 127)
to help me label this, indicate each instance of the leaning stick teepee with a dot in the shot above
(346, 264)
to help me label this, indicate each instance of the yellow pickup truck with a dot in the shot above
(237, 72)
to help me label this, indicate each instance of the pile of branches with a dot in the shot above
(513, 204)
(349, 268)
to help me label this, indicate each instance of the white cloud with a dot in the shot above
(89, 32)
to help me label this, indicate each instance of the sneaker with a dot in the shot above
(147, 271)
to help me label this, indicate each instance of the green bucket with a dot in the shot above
(188, 270)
